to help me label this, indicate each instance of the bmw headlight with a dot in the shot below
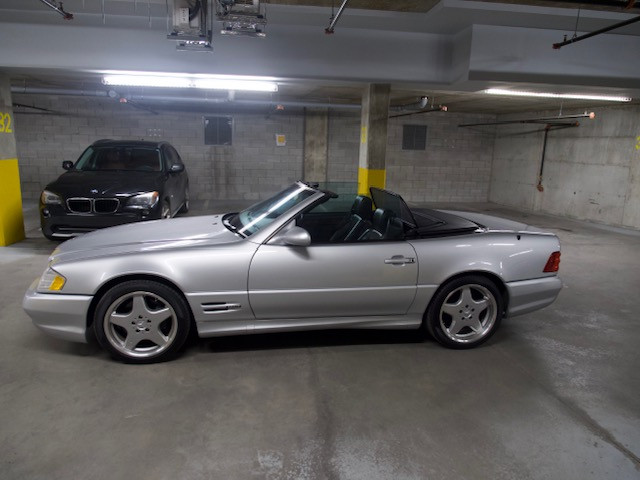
(51, 281)
(50, 198)
(144, 200)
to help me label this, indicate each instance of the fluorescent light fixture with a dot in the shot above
(572, 96)
(135, 79)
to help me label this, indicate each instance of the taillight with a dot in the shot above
(553, 264)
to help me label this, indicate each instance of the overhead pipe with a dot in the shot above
(562, 120)
(58, 91)
(547, 129)
(59, 9)
(168, 98)
(227, 101)
(557, 46)
(621, 4)
(437, 108)
(334, 20)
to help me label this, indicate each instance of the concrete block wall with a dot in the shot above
(250, 169)
(454, 167)
(591, 172)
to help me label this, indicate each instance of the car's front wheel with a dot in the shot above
(142, 321)
(465, 312)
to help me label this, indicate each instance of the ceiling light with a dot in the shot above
(572, 96)
(189, 81)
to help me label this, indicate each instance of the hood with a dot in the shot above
(105, 183)
(146, 236)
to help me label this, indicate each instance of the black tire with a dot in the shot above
(465, 312)
(185, 205)
(165, 211)
(142, 321)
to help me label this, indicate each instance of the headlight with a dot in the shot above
(145, 200)
(50, 198)
(51, 281)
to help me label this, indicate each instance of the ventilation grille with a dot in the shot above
(220, 307)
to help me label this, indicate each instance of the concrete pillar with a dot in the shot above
(316, 140)
(11, 222)
(373, 137)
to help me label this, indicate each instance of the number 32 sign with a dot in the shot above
(5, 123)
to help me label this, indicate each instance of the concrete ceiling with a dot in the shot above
(448, 50)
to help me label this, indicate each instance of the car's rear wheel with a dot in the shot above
(142, 321)
(465, 312)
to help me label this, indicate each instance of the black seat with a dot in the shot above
(358, 221)
(379, 224)
(384, 226)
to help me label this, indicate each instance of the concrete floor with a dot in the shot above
(554, 395)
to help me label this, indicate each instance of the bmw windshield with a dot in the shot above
(258, 216)
(119, 158)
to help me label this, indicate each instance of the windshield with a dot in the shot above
(139, 159)
(258, 216)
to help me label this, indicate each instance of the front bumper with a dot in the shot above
(530, 295)
(56, 222)
(61, 316)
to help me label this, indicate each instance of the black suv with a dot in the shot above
(114, 182)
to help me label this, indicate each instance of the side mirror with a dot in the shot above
(294, 236)
(176, 168)
(67, 165)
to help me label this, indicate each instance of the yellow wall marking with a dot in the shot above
(11, 222)
(370, 178)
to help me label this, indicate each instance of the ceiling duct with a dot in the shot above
(241, 17)
(191, 27)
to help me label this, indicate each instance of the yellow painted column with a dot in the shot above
(373, 138)
(11, 221)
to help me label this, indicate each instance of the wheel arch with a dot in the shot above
(495, 279)
(126, 278)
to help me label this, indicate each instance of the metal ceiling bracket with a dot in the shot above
(334, 18)
(58, 8)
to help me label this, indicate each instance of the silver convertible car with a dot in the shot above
(303, 259)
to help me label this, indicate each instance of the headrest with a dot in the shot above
(362, 207)
(381, 219)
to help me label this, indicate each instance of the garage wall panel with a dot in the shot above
(591, 172)
(455, 165)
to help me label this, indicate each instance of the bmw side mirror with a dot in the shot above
(176, 168)
(67, 165)
(294, 236)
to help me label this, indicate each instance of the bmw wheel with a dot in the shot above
(465, 312)
(185, 205)
(142, 321)
(166, 210)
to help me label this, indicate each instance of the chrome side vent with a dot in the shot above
(220, 307)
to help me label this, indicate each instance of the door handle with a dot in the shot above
(399, 260)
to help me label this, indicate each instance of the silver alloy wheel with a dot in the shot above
(140, 324)
(166, 211)
(468, 313)
(186, 200)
